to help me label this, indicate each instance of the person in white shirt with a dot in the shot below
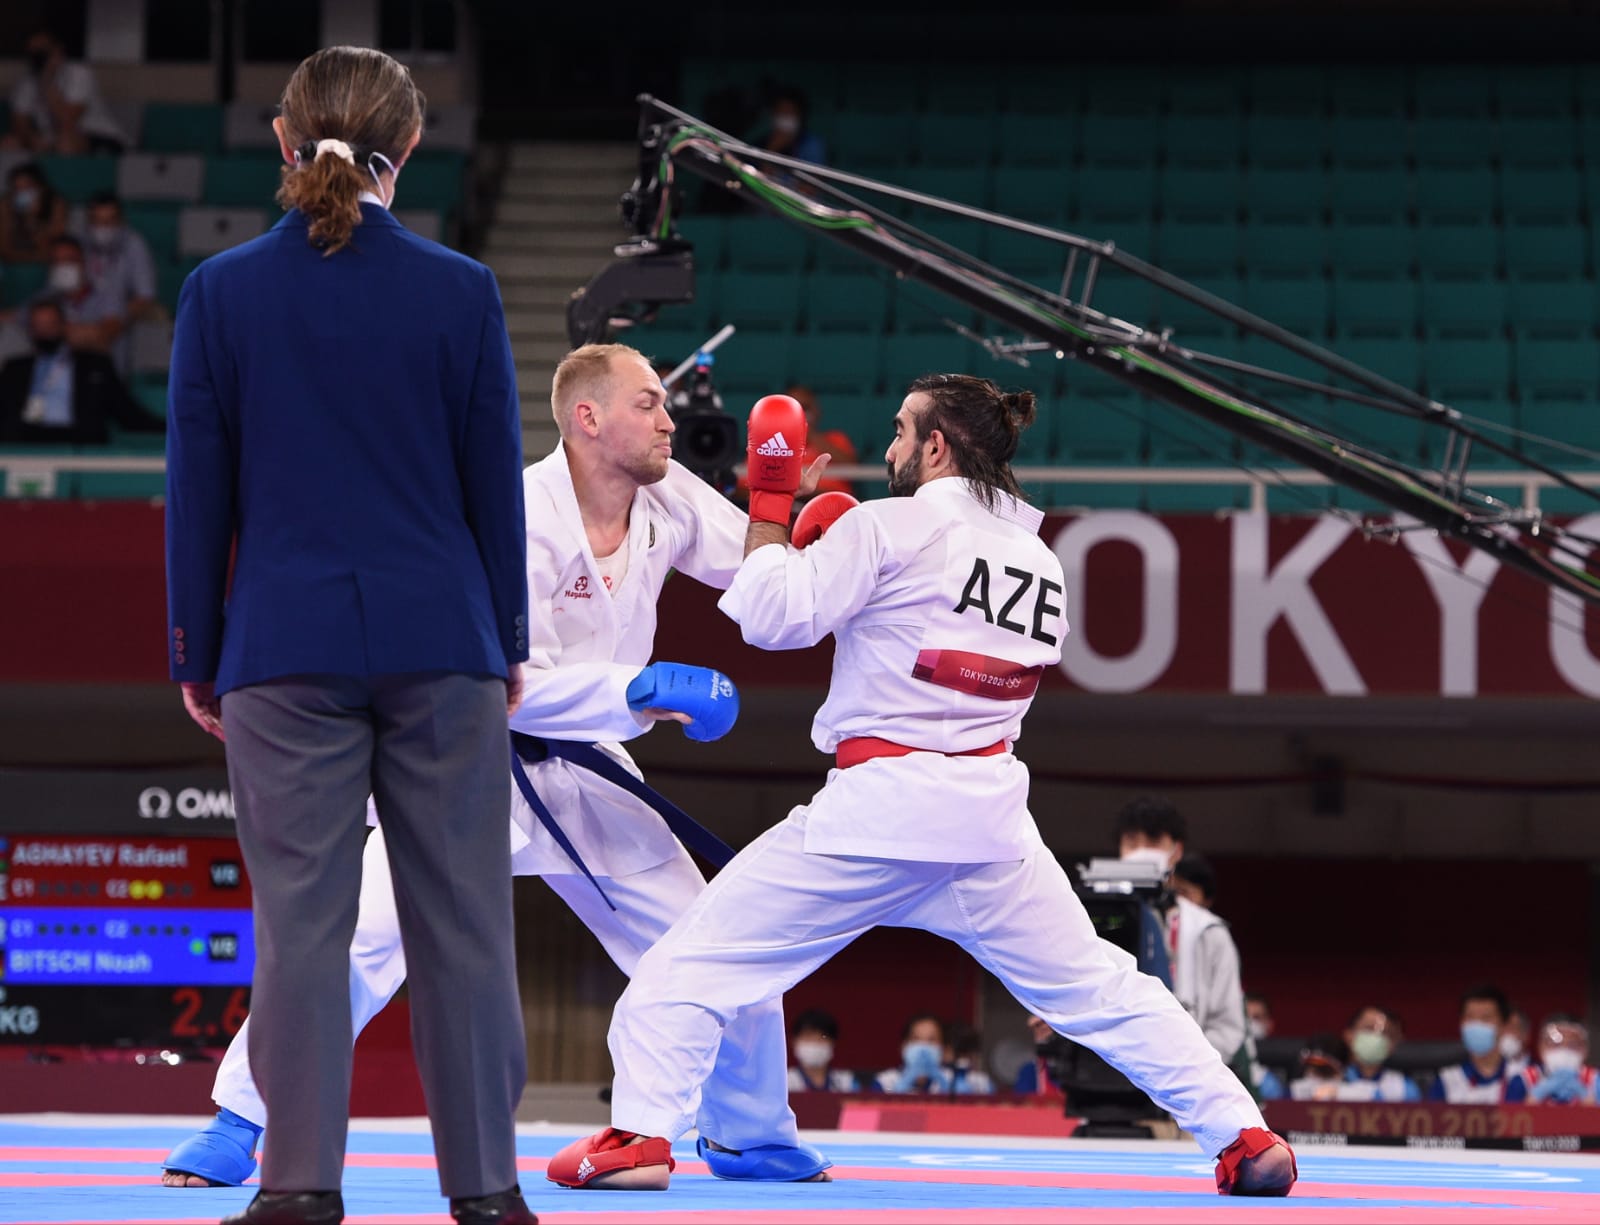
(609, 517)
(56, 107)
(945, 608)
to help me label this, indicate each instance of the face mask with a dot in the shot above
(813, 1053)
(47, 346)
(1258, 1028)
(25, 198)
(394, 174)
(1561, 1060)
(1149, 854)
(66, 278)
(1510, 1046)
(1370, 1048)
(104, 235)
(921, 1059)
(787, 124)
(1479, 1037)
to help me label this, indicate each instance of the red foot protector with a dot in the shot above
(605, 1152)
(1252, 1142)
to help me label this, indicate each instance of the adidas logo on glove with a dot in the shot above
(777, 445)
(585, 1170)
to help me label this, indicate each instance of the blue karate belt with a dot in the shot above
(685, 828)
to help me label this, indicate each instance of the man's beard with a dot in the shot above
(907, 479)
(647, 469)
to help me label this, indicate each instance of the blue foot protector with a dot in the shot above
(764, 1162)
(220, 1154)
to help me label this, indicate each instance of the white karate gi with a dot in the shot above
(586, 644)
(943, 615)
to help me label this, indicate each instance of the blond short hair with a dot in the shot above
(585, 372)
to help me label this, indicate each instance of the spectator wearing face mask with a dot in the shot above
(1562, 1075)
(1201, 951)
(787, 130)
(1371, 1037)
(60, 396)
(1514, 1040)
(1482, 1076)
(921, 1067)
(97, 317)
(56, 107)
(117, 259)
(1258, 1021)
(813, 1037)
(32, 216)
(963, 1060)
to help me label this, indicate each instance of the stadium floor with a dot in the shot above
(79, 1168)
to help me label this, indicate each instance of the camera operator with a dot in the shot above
(1203, 956)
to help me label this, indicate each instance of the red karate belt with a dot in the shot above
(858, 749)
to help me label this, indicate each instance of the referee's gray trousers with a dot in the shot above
(304, 752)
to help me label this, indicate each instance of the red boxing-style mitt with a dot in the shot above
(818, 515)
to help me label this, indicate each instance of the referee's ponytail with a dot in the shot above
(348, 113)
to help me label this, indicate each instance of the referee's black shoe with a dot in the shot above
(504, 1208)
(291, 1208)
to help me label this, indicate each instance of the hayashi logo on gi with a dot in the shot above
(579, 589)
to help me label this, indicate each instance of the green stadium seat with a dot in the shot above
(1026, 255)
(1526, 91)
(1192, 319)
(1102, 425)
(434, 180)
(1049, 139)
(1033, 192)
(1291, 90)
(1213, 136)
(954, 93)
(1539, 140)
(1274, 137)
(1398, 359)
(1557, 365)
(1455, 303)
(1357, 188)
(1453, 139)
(1213, 186)
(157, 224)
(761, 300)
(1554, 302)
(1131, 231)
(1456, 190)
(875, 137)
(175, 127)
(1364, 139)
(1215, 89)
(866, 418)
(962, 233)
(851, 301)
(1075, 496)
(1556, 191)
(1285, 246)
(1573, 420)
(669, 342)
(1536, 245)
(1479, 364)
(955, 139)
(1294, 190)
(1452, 90)
(1369, 89)
(1374, 304)
(1109, 88)
(1133, 138)
(1588, 81)
(1190, 499)
(170, 276)
(119, 486)
(753, 360)
(1372, 242)
(1123, 296)
(1301, 304)
(887, 87)
(1106, 186)
(250, 180)
(150, 390)
(1187, 245)
(1183, 439)
(78, 178)
(847, 362)
(19, 282)
(709, 236)
(967, 185)
(757, 244)
(1458, 247)
(909, 356)
(1297, 499)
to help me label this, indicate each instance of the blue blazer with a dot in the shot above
(347, 426)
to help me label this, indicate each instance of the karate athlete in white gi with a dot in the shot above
(609, 517)
(945, 607)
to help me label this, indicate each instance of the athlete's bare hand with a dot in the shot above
(657, 713)
(513, 689)
(813, 475)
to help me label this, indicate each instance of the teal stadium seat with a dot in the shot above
(1214, 89)
(1459, 247)
(1288, 89)
(1373, 90)
(909, 356)
(1033, 193)
(1528, 91)
(1286, 246)
(1536, 245)
(1565, 302)
(1123, 296)
(175, 127)
(1211, 137)
(753, 363)
(1477, 304)
(1130, 230)
(758, 244)
(19, 282)
(1398, 359)
(850, 301)
(964, 139)
(1557, 366)
(1382, 304)
(1180, 439)
(1278, 190)
(1538, 139)
(150, 390)
(1456, 190)
(1452, 90)
(1384, 187)
(157, 224)
(875, 138)
(867, 419)
(850, 363)
(1189, 244)
(1300, 303)
(1572, 420)
(1191, 319)
(1276, 137)
(78, 178)
(1481, 365)
(434, 180)
(762, 300)
(1454, 140)
(1049, 139)
(1121, 138)
(1368, 139)
(1555, 191)
(1208, 186)
(1100, 423)
(709, 235)
(1109, 187)
(119, 486)
(968, 184)
(251, 180)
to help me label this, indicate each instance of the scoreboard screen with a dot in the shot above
(117, 939)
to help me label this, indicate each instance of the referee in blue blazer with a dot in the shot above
(343, 425)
